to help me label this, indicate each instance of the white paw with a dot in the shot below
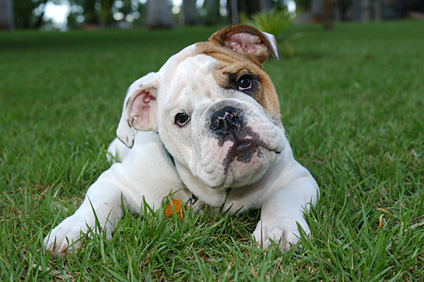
(281, 230)
(67, 236)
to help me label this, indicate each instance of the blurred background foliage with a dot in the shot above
(274, 15)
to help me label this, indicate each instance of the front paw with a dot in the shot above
(67, 236)
(281, 230)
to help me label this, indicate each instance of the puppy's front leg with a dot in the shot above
(104, 198)
(282, 210)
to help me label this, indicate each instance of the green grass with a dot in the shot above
(352, 104)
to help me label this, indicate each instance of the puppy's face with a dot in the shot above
(216, 111)
(210, 121)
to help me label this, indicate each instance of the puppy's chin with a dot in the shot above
(223, 174)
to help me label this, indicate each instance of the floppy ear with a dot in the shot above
(247, 40)
(139, 112)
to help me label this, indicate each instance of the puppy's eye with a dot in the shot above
(245, 83)
(182, 119)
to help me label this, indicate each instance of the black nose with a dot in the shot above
(226, 120)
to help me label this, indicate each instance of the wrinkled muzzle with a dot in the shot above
(237, 143)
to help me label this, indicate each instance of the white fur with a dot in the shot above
(274, 181)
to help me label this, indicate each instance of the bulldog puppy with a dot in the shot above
(206, 126)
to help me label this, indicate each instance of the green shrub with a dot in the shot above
(275, 22)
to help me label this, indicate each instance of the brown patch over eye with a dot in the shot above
(249, 79)
(246, 82)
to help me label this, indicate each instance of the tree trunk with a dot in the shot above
(249, 7)
(90, 15)
(6, 15)
(317, 11)
(366, 10)
(212, 12)
(328, 16)
(106, 16)
(189, 14)
(378, 10)
(234, 11)
(158, 14)
(265, 5)
(356, 10)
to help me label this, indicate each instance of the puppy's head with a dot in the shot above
(215, 109)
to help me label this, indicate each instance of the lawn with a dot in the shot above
(352, 102)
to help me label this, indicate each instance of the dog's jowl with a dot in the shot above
(206, 125)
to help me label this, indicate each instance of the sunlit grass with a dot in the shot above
(352, 104)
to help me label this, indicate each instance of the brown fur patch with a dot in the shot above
(232, 65)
